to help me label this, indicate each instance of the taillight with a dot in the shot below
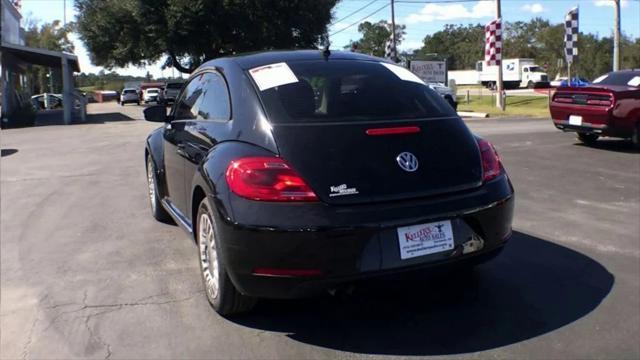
(267, 179)
(599, 102)
(563, 99)
(490, 160)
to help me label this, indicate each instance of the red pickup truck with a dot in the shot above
(608, 107)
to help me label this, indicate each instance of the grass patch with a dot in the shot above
(532, 106)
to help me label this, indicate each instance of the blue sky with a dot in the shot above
(420, 17)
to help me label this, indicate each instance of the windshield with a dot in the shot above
(129, 92)
(152, 91)
(174, 86)
(536, 69)
(626, 78)
(325, 91)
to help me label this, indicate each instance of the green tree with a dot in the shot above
(375, 36)
(462, 45)
(49, 36)
(138, 32)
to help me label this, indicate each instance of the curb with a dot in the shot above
(472, 114)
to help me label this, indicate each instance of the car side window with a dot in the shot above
(186, 108)
(215, 103)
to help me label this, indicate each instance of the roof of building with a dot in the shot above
(42, 57)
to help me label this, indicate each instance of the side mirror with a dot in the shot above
(156, 113)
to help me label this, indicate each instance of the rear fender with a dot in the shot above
(211, 175)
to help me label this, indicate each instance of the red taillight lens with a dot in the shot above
(490, 160)
(393, 131)
(563, 99)
(599, 102)
(267, 179)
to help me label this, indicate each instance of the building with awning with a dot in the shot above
(15, 59)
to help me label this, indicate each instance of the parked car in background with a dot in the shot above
(575, 82)
(54, 101)
(171, 91)
(446, 92)
(610, 106)
(557, 81)
(129, 96)
(358, 172)
(152, 95)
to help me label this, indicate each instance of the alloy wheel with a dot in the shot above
(208, 255)
(152, 185)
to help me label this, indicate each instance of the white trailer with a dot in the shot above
(465, 77)
(515, 73)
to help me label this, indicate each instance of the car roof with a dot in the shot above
(252, 60)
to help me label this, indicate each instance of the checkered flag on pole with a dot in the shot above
(389, 51)
(493, 44)
(571, 35)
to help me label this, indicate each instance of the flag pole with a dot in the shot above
(499, 99)
(393, 32)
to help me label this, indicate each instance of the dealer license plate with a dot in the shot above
(575, 120)
(425, 239)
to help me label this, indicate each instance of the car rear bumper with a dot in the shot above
(330, 256)
(593, 117)
(585, 127)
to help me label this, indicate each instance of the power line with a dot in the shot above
(357, 11)
(357, 22)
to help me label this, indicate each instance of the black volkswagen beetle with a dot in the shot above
(299, 171)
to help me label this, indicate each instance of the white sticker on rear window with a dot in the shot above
(403, 73)
(269, 76)
(635, 81)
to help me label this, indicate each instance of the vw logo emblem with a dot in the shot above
(407, 161)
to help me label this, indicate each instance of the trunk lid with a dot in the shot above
(344, 165)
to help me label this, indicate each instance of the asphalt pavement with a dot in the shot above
(86, 272)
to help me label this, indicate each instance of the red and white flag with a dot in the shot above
(493, 44)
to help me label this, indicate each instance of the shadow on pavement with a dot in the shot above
(55, 117)
(7, 152)
(617, 145)
(532, 288)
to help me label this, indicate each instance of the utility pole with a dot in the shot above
(393, 31)
(499, 99)
(616, 37)
(64, 12)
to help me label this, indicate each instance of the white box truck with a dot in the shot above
(516, 73)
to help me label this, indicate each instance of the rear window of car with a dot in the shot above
(348, 90)
(174, 86)
(152, 91)
(129, 92)
(627, 78)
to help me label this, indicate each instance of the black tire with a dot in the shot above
(635, 138)
(138, 103)
(157, 210)
(531, 85)
(121, 103)
(221, 293)
(588, 139)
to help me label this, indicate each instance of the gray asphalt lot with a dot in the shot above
(87, 273)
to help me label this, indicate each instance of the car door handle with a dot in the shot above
(181, 151)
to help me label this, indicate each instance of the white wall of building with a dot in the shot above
(11, 24)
